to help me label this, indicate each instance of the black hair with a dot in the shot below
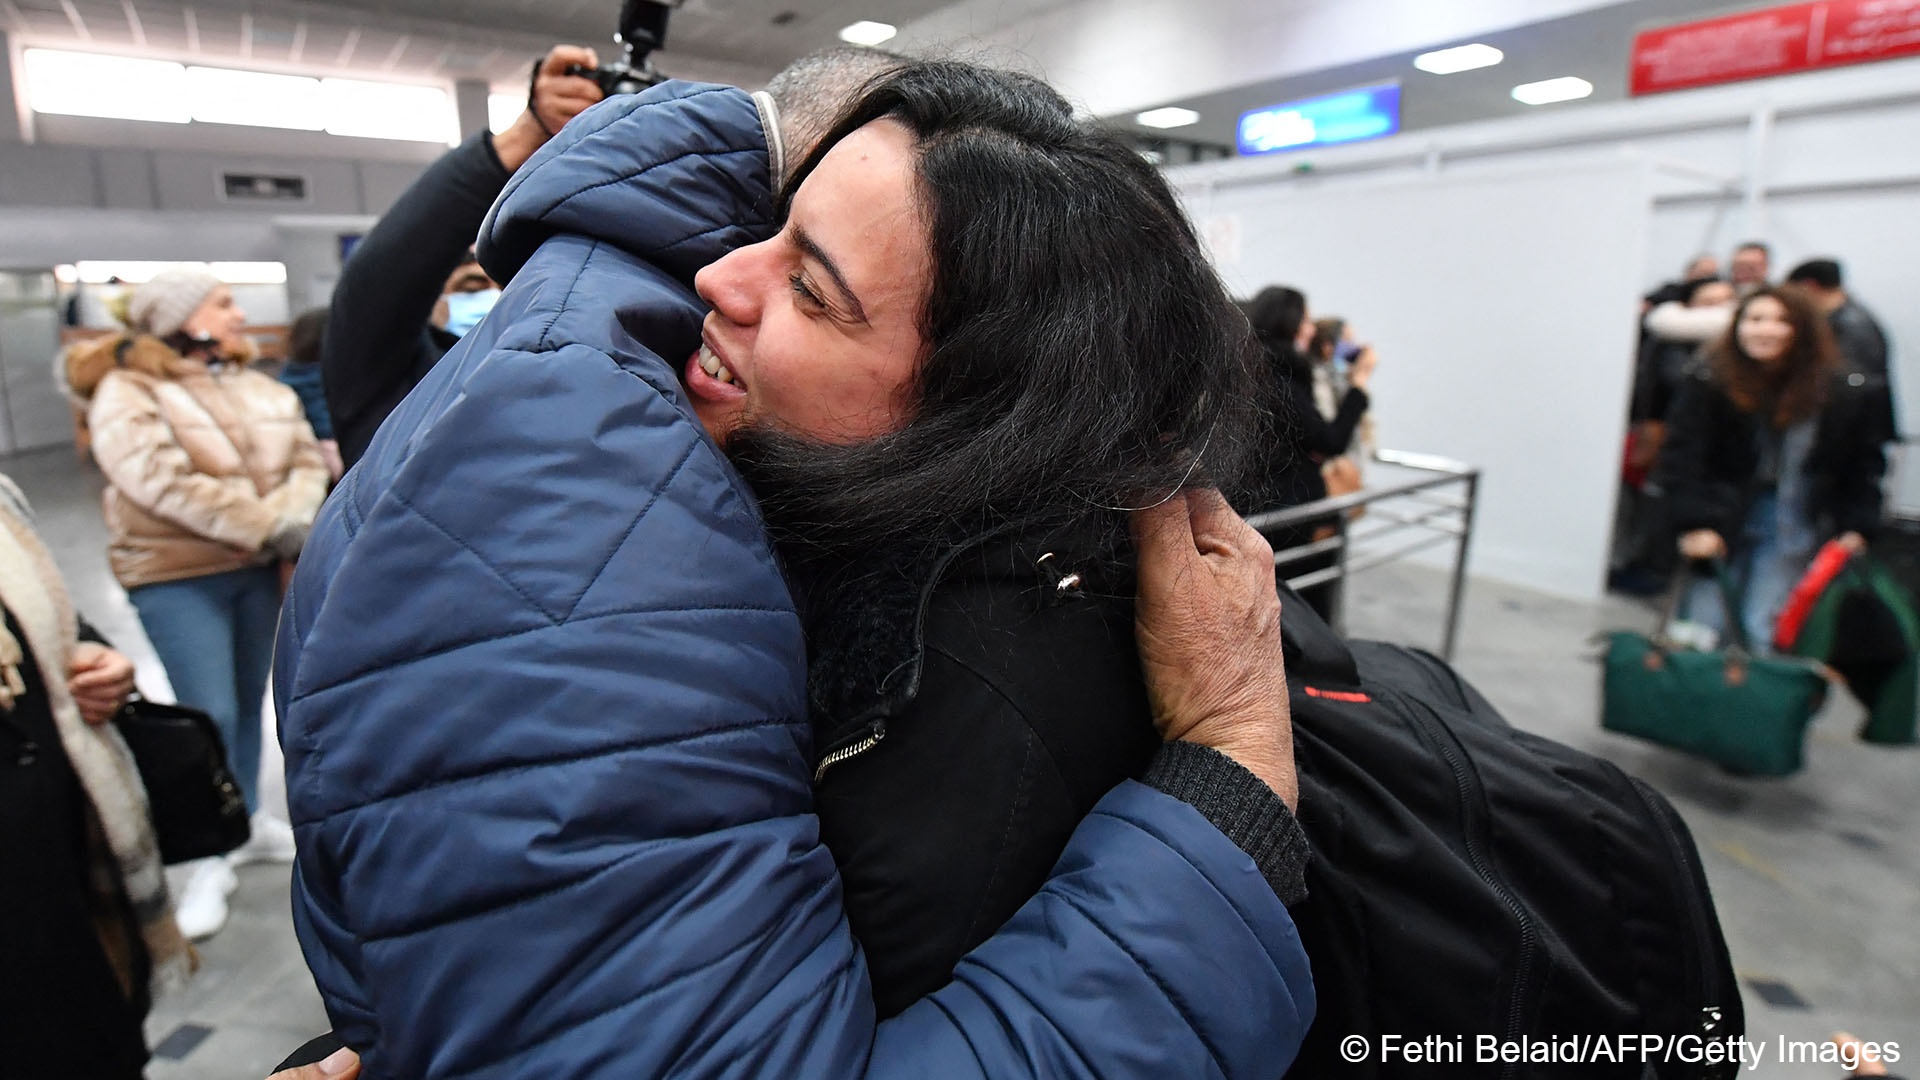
(1276, 313)
(1824, 273)
(304, 336)
(1082, 356)
(1755, 245)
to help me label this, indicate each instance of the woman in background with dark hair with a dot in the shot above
(1768, 455)
(302, 373)
(1297, 438)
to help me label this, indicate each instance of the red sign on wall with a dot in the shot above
(1775, 41)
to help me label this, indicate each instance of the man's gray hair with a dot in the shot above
(814, 90)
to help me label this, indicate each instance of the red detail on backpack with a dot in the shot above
(1338, 695)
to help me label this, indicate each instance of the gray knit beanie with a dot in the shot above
(169, 299)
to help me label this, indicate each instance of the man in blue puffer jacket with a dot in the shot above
(541, 691)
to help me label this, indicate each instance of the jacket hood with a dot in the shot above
(80, 368)
(648, 173)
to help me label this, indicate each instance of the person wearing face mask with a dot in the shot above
(1770, 453)
(412, 288)
(575, 825)
(213, 477)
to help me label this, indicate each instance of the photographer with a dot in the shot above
(387, 327)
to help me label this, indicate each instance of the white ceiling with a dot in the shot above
(1112, 56)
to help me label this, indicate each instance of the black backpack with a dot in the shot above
(1475, 887)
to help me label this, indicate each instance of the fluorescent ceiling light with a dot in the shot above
(1460, 58)
(373, 110)
(99, 271)
(115, 87)
(250, 273)
(1170, 117)
(504, 109)
(255, 98)
(1546, 92)
(868, 33)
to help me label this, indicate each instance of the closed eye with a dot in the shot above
(808, 297)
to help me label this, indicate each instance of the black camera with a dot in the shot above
(643, 28)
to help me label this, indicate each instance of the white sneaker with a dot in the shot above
(271, 841)
(202, 909)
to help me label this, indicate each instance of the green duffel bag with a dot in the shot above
(1747, 713)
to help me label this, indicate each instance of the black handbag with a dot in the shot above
(195, 801)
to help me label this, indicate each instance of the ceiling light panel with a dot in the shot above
(868, 33)
(1548, 91)
(1458, 59)
(89, 84)
(255, 98)
(1170, 117)
(374, 110)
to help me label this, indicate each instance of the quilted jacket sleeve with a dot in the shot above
(145, 463)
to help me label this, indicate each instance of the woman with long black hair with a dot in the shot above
(1296, 438)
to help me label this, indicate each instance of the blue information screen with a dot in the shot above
(1350, 116)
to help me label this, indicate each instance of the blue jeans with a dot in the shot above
(214, 635)
(1772, 553)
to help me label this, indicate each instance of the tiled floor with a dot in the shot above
(1817, 876)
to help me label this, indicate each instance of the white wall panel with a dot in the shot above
(1502, 307)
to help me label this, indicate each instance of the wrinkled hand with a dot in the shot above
(557, 98)
(1703, 544)
(100, 681)
(340, 1065)
(1208, 626)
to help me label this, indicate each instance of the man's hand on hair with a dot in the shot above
(556, 98)
(1208, 626)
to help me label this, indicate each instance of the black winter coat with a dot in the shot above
(1299, 441)
(1709, 461)
(1020, 704)
(380, 341)
(1864, 346)
(62, 1010)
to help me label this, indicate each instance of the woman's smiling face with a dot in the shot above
(817, 331)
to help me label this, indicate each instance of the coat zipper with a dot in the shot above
(1468, 789)
(875, 732)
(876, 729)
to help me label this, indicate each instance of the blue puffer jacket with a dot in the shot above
(541, 695)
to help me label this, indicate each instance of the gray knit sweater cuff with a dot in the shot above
(1240, 805)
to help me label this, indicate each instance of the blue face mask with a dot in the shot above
(466, 309)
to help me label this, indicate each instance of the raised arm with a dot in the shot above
(387, 290)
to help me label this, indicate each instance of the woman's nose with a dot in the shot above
(729, 286)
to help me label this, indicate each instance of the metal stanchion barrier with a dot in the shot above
(1420, 513)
